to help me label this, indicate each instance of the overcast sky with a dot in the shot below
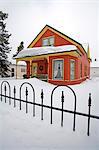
(78, 19)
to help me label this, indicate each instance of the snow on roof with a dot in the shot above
(44, 50)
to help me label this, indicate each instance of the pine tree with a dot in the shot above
(4, 46)
(20, 47)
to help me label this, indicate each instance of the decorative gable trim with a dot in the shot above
(38, 37)
(58, 33)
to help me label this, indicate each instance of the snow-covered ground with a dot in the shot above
(21, 131)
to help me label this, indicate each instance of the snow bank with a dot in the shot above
(21, 131)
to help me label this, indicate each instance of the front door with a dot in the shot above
(34, 69)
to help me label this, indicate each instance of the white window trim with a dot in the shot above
(48, 38)
(53, 69)
(72, 60)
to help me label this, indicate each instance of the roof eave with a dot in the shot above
(50, 54)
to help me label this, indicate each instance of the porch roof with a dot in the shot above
(36, 51)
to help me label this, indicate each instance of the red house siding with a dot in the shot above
(66, 64)
(28, 68)
(58, 40)
(42, 66)
(66, 80)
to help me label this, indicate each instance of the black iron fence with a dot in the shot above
(6, 93)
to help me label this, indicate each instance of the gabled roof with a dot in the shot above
(57, 32)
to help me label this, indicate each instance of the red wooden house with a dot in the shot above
(56, 57)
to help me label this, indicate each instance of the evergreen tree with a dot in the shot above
(4, 46)
(21, 47)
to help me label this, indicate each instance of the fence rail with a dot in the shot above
(42, 105)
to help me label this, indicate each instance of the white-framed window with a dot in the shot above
(58, 69)
(45, 42)
(48, 41)
(34, 69)
(22, 69)
(72, 69)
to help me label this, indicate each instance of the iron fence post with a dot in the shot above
(5, 89)
(52, 102)
(9, 99)
(42, 97)
(51, 107)
(62, 100)
(26, 99)
(34, 105)
(14, 96)
(75, 103)
(1, 93)
(74, 120)
(20, 103)
(33, 95)
(89, 109)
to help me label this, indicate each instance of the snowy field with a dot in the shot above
(21, 131)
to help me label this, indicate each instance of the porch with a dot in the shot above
(36, 68)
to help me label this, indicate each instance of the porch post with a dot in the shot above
(30, 68)
(16, 68)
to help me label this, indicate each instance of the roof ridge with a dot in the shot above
(62, 33)
(50, 27)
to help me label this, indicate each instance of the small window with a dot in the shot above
(48, 41)
(12, 74)
(51, 41)
(12, 69)
(58, 69)
(22, 69)
(72, 69)
(45, 42)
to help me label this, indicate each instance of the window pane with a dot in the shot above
(45, 42)
(12, 69)
(58, 69)
(72, 69)
(51, 41)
